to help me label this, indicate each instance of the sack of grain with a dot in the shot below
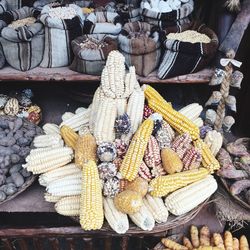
(102, 22)
(91, 53)
(139, 43)
(164, 14)
(3, 6)
(62, 25)
(39, 4)
(187, 52)
(2, 57)
(127, 12)
(22, 38)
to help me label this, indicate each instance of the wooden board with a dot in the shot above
(67, 75)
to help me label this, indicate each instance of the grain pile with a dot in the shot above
(190, 36)
(92, 43)
(62, 12)
(22, 22)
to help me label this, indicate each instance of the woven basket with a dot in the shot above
(172, 222)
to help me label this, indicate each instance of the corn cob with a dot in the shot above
(118, 221)
(191, 159)
(143, 219)
(42, 165)
(121, 104)
(133, 158)
(144, 172)
(138, 185)
(158, 171)
(181, 144)
(172, 244)
(51, 128)
(68, 206)
(208, 159)
(69, 136)
(66, 186)
(67, 115)
(244, 243)
(98, 96)
(51, 140)
(187, 198)
(165, 135)
(214, 141)
(198, 122)
(80, 110)
(48, 177)
(91, 207)
(85, 149)
(177, 121)
(51, 198)
(156, 207)
(131, 82)
(191, 111)
(83, 130)
(105, 121)
(163, 185)
(152, 155)
(77, 121)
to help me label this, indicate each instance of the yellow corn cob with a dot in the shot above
(68, 170)
(68, 206)
(244, 243)
(117, 220)
(133, 158)
(178, 121)
(51, 128)
(207, 248)
(163, 185)
(85, 149)
(51, 198)
(156, 207)
(91, 207)
(187, 198)
(51, 140)
(67, 186)
(143, 219)
(208, 159)
(172, 244)
(69, 136)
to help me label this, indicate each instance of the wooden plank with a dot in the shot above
(139, 243)
(23, 244)
(124, 243)
(54, 243)
(7, 244)
(37, 244)
(108, 244)
(66, 75)
(88, 243)
(71, 243)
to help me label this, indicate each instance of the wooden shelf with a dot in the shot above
(67, 75)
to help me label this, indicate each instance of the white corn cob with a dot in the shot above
(105, 120)
(68, 170)
(78, 120)
(157, 208)
(198, 122)
(51, 140)
(121, 104)
(214, 141)
(67, 115)
(143, 219)
(66, 186)
(118, 221)
(51, 128)
(40, 156)
(192, 111)
(80, 110)
(187, 198)
(51, 198)
(131, 82)
(68, 206)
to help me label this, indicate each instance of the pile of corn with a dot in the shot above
(121, 158)
(22, 22)
(190, 36)
(62, 12)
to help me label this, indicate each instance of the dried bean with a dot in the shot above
(10, 189)
(11, 125)
(7, 160)
(15, 158)
(30, 134)
(17, 179)
(2, 196)
(18, 134)
(4, 124)
(9, 180)
(2, 179)
(18, 124)
(5, 151)
(16, 148)
(7, 130)
(15, 168)
(7, 141)
(247, 195)
(23, 141)
(4, 171)
(24, 151)
(25, 173)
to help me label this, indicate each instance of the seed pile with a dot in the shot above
(62, 12)
(190, 36)
(92, 43)
(22, 22)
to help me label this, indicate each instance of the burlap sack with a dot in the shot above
(92, 60)
(58, 36)
(182, 58)
(23, 46)
(103, 22)
(143, 52)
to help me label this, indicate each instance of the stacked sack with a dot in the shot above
(122, 159)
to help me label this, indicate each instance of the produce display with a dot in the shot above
(204, 239)
(120, 163)
(235, 169)
(16, 137)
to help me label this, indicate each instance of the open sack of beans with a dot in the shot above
(187, 52)
(22, 38)
(62, 25)
(166, 13)
(103, 22)
(139, 43)
(91, 52)
(127, 12)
